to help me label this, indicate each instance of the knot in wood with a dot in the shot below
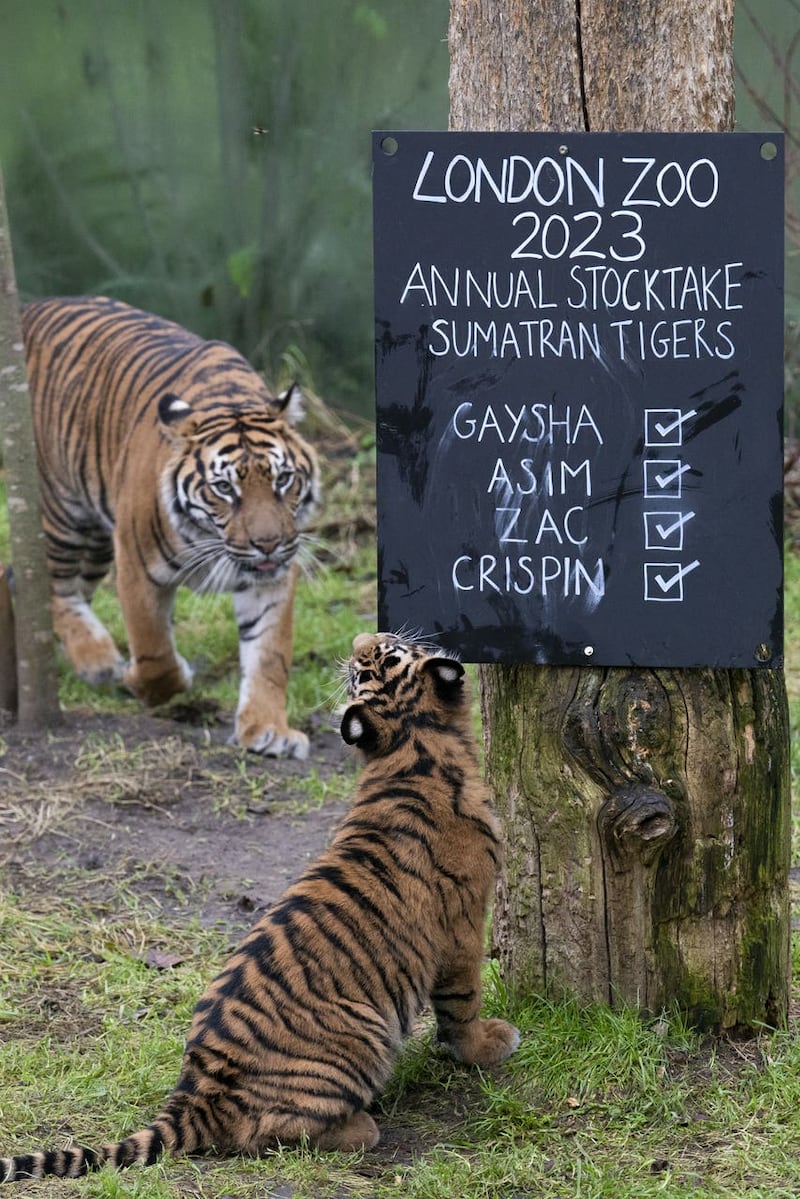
(638, 821)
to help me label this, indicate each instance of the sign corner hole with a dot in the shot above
(769, 151)
(389, 145)
(762, 652)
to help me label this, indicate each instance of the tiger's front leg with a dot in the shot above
(78, 561)
(456, 1000)
(264, 616)
(156, 671)
(86, 641)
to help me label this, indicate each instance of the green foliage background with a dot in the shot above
(132, 166)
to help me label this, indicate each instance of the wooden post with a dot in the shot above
(646, 812)
(35, 648)
(8, 652)
(648, 831)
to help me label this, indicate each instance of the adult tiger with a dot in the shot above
(167, 454)
(298, 1033)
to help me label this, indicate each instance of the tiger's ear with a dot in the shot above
(357, 729)
(177, 417)
(290, 404)
(447, 674)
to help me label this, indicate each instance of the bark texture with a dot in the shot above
(35, 649)
(514, 65)
(657, 64)
(598, 65)
(647, 819)
(646, 812)
(8, 652)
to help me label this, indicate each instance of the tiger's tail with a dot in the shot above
(140, 1148)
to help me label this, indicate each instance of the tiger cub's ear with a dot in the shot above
(357, 728)
(290, 404)
(176, 415)
(447, 674)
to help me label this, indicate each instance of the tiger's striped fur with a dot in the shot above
(168, 454)
(298, 1033)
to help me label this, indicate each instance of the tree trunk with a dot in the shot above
(8, 653)
(646, 812)
(35, 649)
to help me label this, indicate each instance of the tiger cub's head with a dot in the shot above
(240, 484)
(394, 685)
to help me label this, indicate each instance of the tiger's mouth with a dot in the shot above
(265, 568)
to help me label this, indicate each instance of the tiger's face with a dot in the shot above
(377, 661)
(394, 683)
(241, 487)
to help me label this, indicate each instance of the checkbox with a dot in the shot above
(664, 530)
(664, 426)
(663, 478)
(663, 581)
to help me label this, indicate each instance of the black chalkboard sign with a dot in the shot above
(579, 374)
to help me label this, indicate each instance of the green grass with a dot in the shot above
(326, 620)
(595, 1104)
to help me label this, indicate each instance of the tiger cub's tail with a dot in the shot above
(140, 1148)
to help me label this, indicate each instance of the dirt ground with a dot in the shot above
(166, 809)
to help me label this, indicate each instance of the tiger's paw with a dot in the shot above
(156, 688)
(103, 674)
(359, 1132)
(485, 1043)
(87, 644)
(272, 741)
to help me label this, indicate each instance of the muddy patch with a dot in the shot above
(192, 827)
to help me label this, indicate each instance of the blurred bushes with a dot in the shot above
(133, 166)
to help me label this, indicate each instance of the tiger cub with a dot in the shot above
(297, 1035)
(168, 454)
